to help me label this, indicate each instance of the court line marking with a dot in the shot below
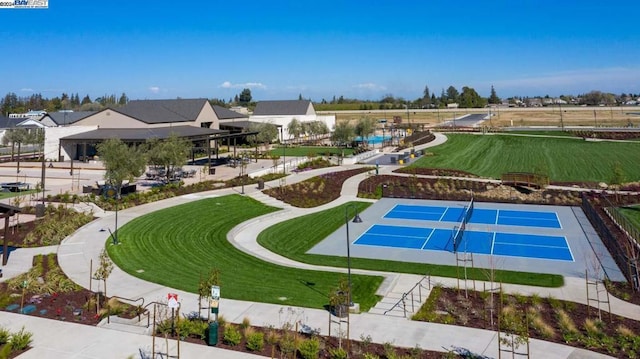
(493, 241)
(536, 258)
(531, 245)
(442, 216)
(428, 238)
(391, 210)
(498, 217)
(390, 235)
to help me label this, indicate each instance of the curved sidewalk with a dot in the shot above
(77, 252)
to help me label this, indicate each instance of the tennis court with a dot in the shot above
(490, 243)
(463, 240)
(544, 219)
(521, 237)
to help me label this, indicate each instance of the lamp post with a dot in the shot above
(284, 152)
(356, 219)
(242, 170)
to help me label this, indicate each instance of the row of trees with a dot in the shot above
(467, 97)
(12, 103)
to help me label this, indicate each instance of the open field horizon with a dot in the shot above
(507, 117)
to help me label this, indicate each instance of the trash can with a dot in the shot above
(260, 184)
(212, 170)
(213, 334)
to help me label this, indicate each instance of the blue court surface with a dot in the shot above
(489, 243)
(540, 219)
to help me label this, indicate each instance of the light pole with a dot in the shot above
(284, 152)
(356, 219)
(242, 170)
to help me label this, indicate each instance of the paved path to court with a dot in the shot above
(65, 340)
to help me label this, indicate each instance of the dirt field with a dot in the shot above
(505, 117)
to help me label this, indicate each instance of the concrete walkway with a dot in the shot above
(78, 256)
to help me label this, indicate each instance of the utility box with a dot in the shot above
(40, 209)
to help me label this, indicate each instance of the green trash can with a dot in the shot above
(213, 334)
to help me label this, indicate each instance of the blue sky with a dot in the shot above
(280, 49)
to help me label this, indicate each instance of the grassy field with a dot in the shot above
(174, 246)
(502, 117)
(561, 159)
(293, 238)
(632, 214)
(543, 133)
(310, 151)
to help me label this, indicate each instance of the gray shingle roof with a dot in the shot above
(226, 114)
(286, 107)
(163, 111)
(141, 134)
(6, 122)
(67, 118)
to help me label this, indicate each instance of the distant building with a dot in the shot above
(74, 135)
(281, 113)
(36, 115)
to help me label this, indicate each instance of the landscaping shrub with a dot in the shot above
(255, 341)
(4, 336)
(21, 340)
(309, 348)
(232, 335)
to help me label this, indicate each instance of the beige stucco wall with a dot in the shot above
(310, 110)
(207, 114)
(52, 136)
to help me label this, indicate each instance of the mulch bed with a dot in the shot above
(472, 309)
(355, 348)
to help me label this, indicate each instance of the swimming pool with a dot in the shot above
(373, 140)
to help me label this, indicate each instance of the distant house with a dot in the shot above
(281, 113)
(534, 102)
(453, 105)
(8, 123)
(64, 118)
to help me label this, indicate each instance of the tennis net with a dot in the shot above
(459, 230)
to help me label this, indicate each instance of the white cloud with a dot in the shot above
(26, 89)
(250, 85)
(154, 89)
(369, 86)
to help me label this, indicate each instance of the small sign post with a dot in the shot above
(172, 302)
(215, 300)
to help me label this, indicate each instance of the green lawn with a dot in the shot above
(310, 151)
(4, 195)
(294, 237)
(632, 214)
(561, 159)
(543, 133)
(174, 246)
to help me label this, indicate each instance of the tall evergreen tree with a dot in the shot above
(493, 98)
(245, 97)
(426, 98)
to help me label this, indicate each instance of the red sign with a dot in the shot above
(172, 300)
